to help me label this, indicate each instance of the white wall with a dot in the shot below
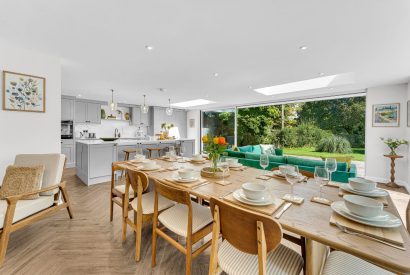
(378, 166)
(195, 131)
(107, 128)
(25, 132)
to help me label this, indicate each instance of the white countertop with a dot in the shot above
(128, 141)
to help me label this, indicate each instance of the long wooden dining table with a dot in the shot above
(309, 219)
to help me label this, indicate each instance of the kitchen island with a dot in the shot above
(94, 157)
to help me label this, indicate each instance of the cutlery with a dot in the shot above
(205, 183)
(286, 207)
(350, 232)
(221, 197)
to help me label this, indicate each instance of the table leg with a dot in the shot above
(392, 175)
(316, 254)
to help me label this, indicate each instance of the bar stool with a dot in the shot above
(127, 157)
(153, 149)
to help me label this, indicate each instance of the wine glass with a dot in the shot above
(182, 151)
(224, 166)
(264, 161)
(321, 177)
(138, 151)
(292, 176)
(331, 166)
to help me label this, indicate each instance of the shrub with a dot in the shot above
(334, 144)
(306, 134)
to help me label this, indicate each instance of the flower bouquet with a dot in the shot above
(215, 147)
(393, 144)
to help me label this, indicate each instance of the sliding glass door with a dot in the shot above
(219, 123)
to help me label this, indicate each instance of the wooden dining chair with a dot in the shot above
(408, 217)
(117, 190)
(251, 243)
(142, 204)
(186, 219)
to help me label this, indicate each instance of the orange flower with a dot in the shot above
(221, 141)
(205, 139)
(216, 140)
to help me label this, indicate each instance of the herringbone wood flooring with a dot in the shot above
(89, 243)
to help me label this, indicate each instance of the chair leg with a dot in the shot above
(188, 263)
(124, 222)
(138, 238)
(5, 234)
(111, 208)
(154, 244)
(66, 199)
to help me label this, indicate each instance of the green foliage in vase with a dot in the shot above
(394, 143)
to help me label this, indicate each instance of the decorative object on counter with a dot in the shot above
(112, 104)
(144, 108)
(23, 92)
(214, 147)
(103, 114)
(127, 116)
(393, 144)
(386, 115)
(169, 109)
(166, 127)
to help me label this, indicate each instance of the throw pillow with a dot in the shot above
(268, 149)
(20, 180)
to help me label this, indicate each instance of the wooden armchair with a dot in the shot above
(16, 212)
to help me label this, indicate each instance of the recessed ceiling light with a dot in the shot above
(310, 84)
(303, 48)
(216, 74)
(321, 74)
(162, 89)
(79, 95)
(250, 87)
(150, 48)
(192, 103)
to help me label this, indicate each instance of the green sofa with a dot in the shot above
(251, 159)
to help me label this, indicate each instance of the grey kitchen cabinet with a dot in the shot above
(67, 148)
(87, 112)
(136, 115)
(67, 108)
(145, 118)
(189, 147)
(81, 159)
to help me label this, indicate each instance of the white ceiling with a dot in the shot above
(248, 43)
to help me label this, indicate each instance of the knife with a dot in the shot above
(286, 207)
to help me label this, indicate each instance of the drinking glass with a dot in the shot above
(224, 166)
(264, 161)
(321, 178)
(292, 176)
(182, 152)
(138, 151)
(330, 165)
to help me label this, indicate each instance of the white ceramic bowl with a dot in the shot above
(186, 173)
(362, 184)
(149, 164)
(197, 157)
(254, 191)
(282, 169)
(363, 206)
(232, 161)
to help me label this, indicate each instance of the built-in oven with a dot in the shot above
(67, 129)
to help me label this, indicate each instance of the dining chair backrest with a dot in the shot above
(137, 178)
(239, 227)
(408, 217)
(173, 194)
(303, 172)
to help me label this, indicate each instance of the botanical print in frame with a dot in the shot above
(408, 113)
(386, 115)
(22, 92)
(192, 123)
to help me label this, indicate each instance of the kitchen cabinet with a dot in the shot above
(178, 118)
(67, 148)
(67, 108)
(87, 112)
(136, 115)
(189, 147)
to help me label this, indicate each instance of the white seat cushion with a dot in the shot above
(25, 208)
(280, 261)
(121, 189)
(341, 263)
(147, 202)
(176, 218)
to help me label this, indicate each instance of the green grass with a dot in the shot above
(358, 153)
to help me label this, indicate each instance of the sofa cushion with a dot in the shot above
(53, 163)
(25, 208)
(247, 148)
(277, 159)
(268, 149)
(20, 180)
(235, 154)
(278, 152)
(256, 149)
(300, 161)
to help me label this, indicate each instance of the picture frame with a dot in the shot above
(386, 115)
(24, 92)
(192, 123)
(408, 113)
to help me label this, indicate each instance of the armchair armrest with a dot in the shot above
(15, 198)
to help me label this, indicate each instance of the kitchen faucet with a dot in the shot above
(117, 133)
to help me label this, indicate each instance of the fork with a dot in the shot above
(350, 232)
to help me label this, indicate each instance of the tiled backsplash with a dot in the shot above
(107, 128)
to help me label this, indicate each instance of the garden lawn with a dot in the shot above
(357, 153)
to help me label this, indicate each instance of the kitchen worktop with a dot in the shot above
(128, 141)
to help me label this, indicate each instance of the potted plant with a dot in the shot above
(393, 144)
(166, 128)
(215, 147)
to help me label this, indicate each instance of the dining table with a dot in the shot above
(309, 219)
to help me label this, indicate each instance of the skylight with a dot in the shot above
(192, 103)
(310, 84)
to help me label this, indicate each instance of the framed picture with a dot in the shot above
(192, 123)
(408, 113)
(386, 115)
(23, 92)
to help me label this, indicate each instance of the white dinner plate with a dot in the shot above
(151, 169)
(238, 195)
(391, 221)
(182, 180)
(378, 192)
(278, 173)
(237, 165)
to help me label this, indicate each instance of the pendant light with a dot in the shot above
(169, 110)
(145, 108)
(113, 105)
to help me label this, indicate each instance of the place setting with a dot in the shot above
(149, 166)
(235, 165)
(187, 177)
(256, 197)
(364, 187)
(198, 159)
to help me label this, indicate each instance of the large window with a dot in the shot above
(219, 123)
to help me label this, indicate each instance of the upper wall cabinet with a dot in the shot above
(67, 108)
(139, 118)
(87, 112)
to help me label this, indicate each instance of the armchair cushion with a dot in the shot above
(25, 208)
(20, 180)
(53, 163)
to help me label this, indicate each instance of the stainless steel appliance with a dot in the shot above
(67, 129)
